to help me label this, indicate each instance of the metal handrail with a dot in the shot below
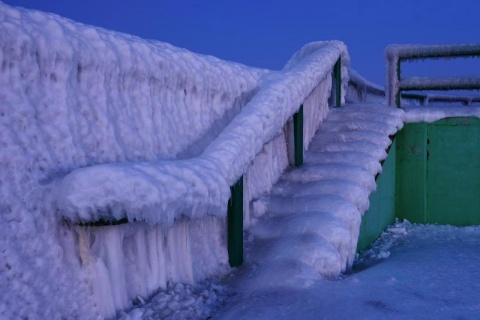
(364, 88)
(235, 204)
(395, 54)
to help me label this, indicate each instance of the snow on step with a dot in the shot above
(359, 146)
(322, 224)
(363, 159)
(302, 248)
(348, 190)
(327, 138)
(311, 225)
(343, 171)
(339, 126)
(364, 117)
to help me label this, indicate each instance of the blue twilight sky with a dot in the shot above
(266, 33)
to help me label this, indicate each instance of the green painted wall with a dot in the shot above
(438, 172)
(411, 172)
(381, 212)
(431, 175)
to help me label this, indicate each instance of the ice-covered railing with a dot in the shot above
(395, 54)
(362, 90)
(425, 99)
(161, 192)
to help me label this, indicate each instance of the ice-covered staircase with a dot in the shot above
(313, 213)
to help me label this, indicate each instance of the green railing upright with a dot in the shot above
(337, 74)
(298, 136)
(235, 204)
(235, 225)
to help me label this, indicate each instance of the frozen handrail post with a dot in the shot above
(337, 75)
(235, 225)
(298, 116)
(235, 204)
(395, 54)
(298, 136)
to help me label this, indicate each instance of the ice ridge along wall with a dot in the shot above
(74, 96)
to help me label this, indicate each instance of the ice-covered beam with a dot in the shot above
(406, 52)
(423, 83)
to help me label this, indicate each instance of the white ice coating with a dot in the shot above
(449, 99)
(276, 155)
(422, 83)
(416, 51)
(313, 214)
(75, 96)
(197, 186)
(362, 90)
(97, 124)
(396, 53)
(435, 113)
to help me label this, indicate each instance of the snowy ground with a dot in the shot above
(411, 272)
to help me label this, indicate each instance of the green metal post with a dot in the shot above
(235, 225)
(337, 74)
(398, 99)
(298, 136)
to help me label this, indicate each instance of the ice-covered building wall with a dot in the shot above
(73, 97)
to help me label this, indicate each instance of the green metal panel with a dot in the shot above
(438, 172)
(433, 177)
(411, 172)
(381, 212)
(453, 172)
(235, 225)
